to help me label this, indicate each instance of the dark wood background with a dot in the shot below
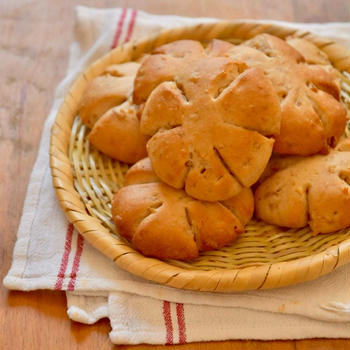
(34, 41)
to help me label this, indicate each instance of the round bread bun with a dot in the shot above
(106, 109)
(312, 116)
(164, 222)
(313, 190)
(209, 119)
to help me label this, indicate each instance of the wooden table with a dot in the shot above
(34, 41)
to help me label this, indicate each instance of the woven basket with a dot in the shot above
(264, 257)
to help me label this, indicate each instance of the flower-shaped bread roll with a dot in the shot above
(164, 222)
(313, 190)
(114, 124)
(312, 116)
(208, 118)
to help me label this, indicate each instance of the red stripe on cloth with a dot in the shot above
(168, 323)
(76, 262)
(80, 239)
(131, 25)
(119, 29)
(65, 256)
(181, 323)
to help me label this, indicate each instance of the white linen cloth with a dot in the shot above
(50, 254)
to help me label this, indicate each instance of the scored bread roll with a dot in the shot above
(209, 119)
(164, 222)
(107, 110)
(312, 116)
(108, 90)
(307, 190)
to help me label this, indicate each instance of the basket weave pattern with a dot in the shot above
(265, 256)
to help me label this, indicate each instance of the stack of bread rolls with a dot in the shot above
(208, 125)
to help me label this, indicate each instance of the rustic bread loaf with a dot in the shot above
(312, 116)
(307, 190)
(208, 118)
(164, 222)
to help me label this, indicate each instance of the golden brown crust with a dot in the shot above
(312, 117)
(110, 89)
(242, 205)
(200, 121)
(102, 94)
(309, 51)
(166, 223)
(117, 134)
(157, 220)
(140, 173)
(128, 69)
(114, 122)
(218, 47)
(313, 190)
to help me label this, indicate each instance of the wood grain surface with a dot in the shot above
(34, 41)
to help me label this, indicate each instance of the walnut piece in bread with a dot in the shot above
(208, 118)
(164, 222)
(312, 116)
(313, 190)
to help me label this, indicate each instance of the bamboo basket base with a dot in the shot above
(85, 180)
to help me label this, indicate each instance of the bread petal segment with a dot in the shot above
(282, 200)
(208, 179)
(332, 115)
(245, 152)
(329, 206)
(310, 52)
(272, 46)
(132, 205)
(242, 205)
(251, 102)
(140, 173)
(170, 156)
(324, 78)
(329, 196)
(154, 70)
(218, 47)
(127, 69)
(105, 108)
(302, 130)
(103, 93)
(117, 134)
(166, 233)
(164, 109)
(181, 49)
(214, 226)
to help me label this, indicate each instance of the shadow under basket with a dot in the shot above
(265, 256)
